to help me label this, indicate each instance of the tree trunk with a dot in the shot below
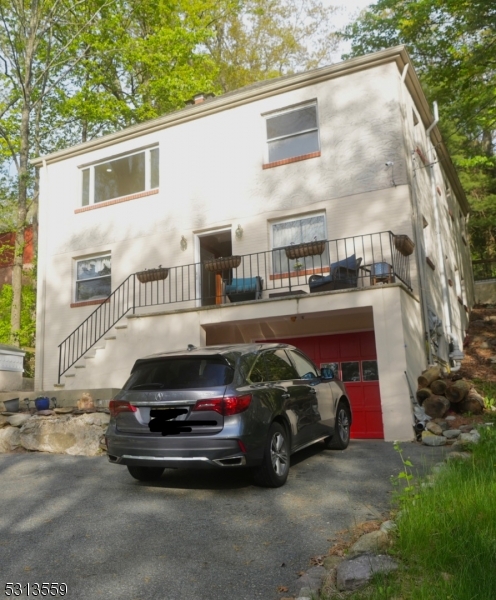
(438, 387)
(429, 376)
(473, 403)
(436, 406)
(457, 391)
(15, 314)
(422, 395)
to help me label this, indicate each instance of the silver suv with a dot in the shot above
(242, 405)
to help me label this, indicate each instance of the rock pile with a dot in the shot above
(62, 430)
(437, 395)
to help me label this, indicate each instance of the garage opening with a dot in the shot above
(353, 357)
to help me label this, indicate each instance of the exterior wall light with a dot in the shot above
(239, 232)
(183, 243)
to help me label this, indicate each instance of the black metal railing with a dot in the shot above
(484, 269)
(347, 263)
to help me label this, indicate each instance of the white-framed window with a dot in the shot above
(120, 175)
(292, 132)
(297, 231)
(93, 277)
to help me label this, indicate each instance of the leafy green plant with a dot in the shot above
(405, 476)
(487, 389)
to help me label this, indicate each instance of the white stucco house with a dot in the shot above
(311, 188)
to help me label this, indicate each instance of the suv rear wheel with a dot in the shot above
(145, 473)
(274, 469)
(341, 437)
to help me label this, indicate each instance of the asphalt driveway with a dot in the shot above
(192, 535)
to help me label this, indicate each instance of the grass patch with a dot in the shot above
(446, 537)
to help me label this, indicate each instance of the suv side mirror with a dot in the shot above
(327, 373)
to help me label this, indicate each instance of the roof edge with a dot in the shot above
(271, 87)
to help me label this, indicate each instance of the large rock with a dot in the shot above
(10, 439)
(375, 541)
(4, 421)
(434, 428)
(310, 583)
(62, 434)
(429, 439)
(101, 419)
(356, 572)
(451, 433)
(18, 420)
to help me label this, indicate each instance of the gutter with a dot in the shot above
(455, 355)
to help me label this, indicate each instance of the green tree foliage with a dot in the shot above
(71, 71)
(26, 334)
(270, 38)
(453, 46)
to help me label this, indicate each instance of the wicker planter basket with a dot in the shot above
(152, 275)
(306, 249)
(222, 263)
(404, 244)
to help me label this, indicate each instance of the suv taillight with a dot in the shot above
(117, 407)
(226, 406)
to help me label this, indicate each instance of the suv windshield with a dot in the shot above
(180, 373)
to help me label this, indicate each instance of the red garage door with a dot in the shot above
(354, 357)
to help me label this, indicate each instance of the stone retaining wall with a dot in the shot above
(62, 431)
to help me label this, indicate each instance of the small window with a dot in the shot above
(257, 374)
(286, 233)
(370, 370)
(120, 176)
(306, 370)
(93, 278)
(278, 367)
(350, 371)
(180, 374)
(292, 133)
(334, 366)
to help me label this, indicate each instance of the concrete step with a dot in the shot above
(110, 337)
(80, 367)
(121, 327)
(70, 375)
(59, 385)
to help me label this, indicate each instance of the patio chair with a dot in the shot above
(245, 288)
(343, 275)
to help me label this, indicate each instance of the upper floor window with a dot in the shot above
(93, 278)
(121, 176)
(298, 231)
(293, 132)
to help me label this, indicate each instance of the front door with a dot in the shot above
(212, 244)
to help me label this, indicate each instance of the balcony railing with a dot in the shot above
(484, 269)
(348, 263)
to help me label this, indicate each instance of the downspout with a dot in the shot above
(41, 289)
(456, 355)
(417, 222)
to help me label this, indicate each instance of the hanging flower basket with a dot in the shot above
(305, 249)
(222, 263)
(404, 244)
(152, 275)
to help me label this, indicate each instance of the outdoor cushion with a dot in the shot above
(343, 275)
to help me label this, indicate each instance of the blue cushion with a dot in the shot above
(240, 285)
(346, 263)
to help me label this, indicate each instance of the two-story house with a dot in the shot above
(320, 208)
